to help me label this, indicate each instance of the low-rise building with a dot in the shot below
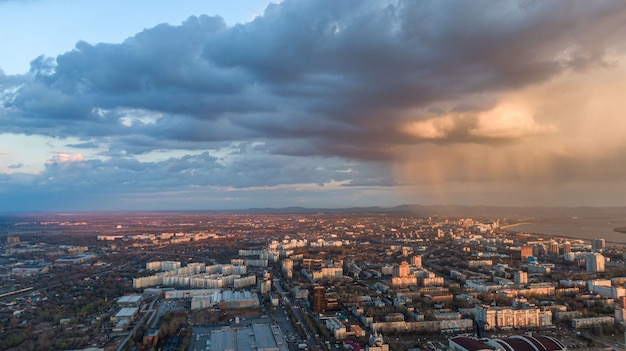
(581, 323)
(336, 327)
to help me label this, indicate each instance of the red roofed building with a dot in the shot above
(514, 343)
(464, 343)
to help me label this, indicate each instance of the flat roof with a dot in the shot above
(126, 312)
(75, 258)
(261, 337)
(129, 299)
(222, 340)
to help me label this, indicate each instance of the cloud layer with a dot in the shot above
(395, 93)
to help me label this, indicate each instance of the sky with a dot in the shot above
(207, 105)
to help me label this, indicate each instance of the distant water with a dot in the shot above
(579, 228)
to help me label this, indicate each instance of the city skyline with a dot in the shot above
(192, 106)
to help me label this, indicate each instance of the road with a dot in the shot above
(297, 312)
(141, 322)
(608, 341)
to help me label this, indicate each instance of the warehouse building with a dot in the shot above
(261, 337)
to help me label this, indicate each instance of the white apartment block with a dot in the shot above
(498, 317)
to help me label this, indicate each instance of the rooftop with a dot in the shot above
(514, 343)
(261, 337)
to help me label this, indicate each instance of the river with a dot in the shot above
(577, 227)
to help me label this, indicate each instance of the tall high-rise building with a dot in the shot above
(312, 264)
(319, 298)
(542, 250)
(553, 248)
(594, 262)
(525, 252)
(265, 286)
(567, 247)
(13, 240)
(405, 251)
(535, 248)
(520, 277)
(416, 260)
(598, 245)
(402, 270)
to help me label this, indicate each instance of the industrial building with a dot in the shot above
(205, 298)
(77, 259)
(124, 317)
(130, 300)
(261, 337)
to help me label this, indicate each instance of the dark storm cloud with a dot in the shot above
(343, 72)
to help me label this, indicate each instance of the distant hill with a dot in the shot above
(422, 211)
(458, 211)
